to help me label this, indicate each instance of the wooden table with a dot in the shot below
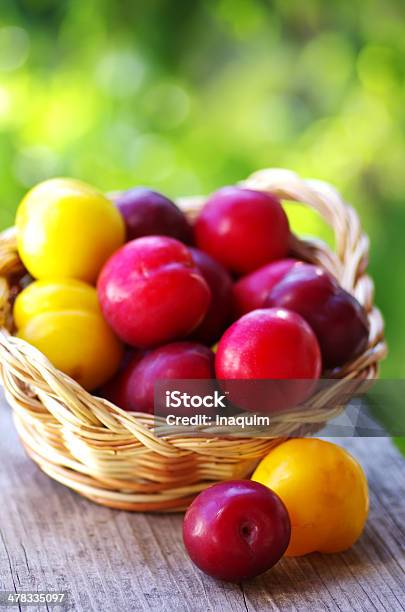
(52, 539)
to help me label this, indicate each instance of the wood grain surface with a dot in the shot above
(52, 539)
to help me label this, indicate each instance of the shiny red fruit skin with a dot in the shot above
(242, 229)
(338, 320)
(219, 281)
(148, 213)
(251, 291)
(151, 292)
(271, 344)
(236, 530)
(133, 389)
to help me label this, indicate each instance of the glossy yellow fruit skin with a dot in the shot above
(77, 342)
(324, 489)
(67, 229)
(50, 296)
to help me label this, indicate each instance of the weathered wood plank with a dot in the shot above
(51, 539)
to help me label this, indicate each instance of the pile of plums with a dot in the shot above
(176, 289)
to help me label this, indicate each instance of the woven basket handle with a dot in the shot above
(352, 245)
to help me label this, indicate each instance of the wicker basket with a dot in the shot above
(113, 457)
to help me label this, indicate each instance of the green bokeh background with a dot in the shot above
(189, 96)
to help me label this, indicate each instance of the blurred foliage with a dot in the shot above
(188, 96)
(400, 442)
